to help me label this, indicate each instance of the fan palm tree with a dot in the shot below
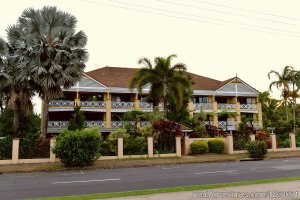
(49, 52)
(282, 83)
(164, 79)
(17, 94)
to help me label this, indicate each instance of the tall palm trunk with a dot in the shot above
(286, 110)
(16, 122)
(165, 100)
(45, 116)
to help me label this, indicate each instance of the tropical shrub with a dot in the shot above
(146, 131)
(263, 136)
(201, 131)
(257, 149)
(216, 145)
(214, 131)
(199, 147)
(5, 148)
(30, 123)
(166, 131)
(113, 139)
(105, 149)
(135, 145)
(78, 148)
(285, 143)
(77, 122)
(34, 145)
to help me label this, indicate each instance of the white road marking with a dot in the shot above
(170, 167)
(88, 181)
(216, 172)
(81, 172)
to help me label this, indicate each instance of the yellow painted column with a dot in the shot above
(107, 99)
(77, 102)
(137, 102)
(215, 109)
(137, 107)
(238, 112)
(191, 108)
(260, 124)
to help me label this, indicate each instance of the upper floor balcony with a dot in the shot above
(123, 106)
(197, 107)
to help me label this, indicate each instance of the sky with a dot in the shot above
(214, 38)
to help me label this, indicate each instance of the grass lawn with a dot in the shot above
(174, 189)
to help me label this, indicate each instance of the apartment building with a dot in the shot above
(104, 97)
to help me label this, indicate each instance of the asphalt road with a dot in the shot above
(46, 184)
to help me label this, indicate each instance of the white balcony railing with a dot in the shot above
(95, 124)
(227, 106)
(92, 104)
(208, 123)
(202, 106)
(122, 104)
(58, 124)
(146, 106)
(144, 123)
(116, 124)
(61, 103)
(248, 106)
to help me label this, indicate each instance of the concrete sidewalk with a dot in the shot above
(280, 190)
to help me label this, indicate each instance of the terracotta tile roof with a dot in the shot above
(120, 77)
(113, 76)
(203, 83)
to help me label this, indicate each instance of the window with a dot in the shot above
(245, 100)
(203, 99)
(116, 98)
(200, 99)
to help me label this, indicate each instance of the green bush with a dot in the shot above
(285, 143)
(78, 148)
(257, 149)
(199, 147)
(113, 139)
(5, 148)
(135, 145)
(105, 149)
(34, 146)
(216, 145)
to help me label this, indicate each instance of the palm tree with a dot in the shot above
(294, 93)
(165, 80)
(282, 82)
(17, 94)
(49, 52)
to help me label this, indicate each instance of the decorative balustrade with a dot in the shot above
(222, 123)
(146, 106)
(227, 106)
(248, 106)
(61, 103)
(92, 104)
(122, 104)
(202, 106)
(144, 123)
(208, 123)
(94, 123)
(58, 124)
(116, 124)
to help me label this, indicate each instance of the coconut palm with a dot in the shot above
(282, 83)
(164, 80)
(49, 51)
(294, 93)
